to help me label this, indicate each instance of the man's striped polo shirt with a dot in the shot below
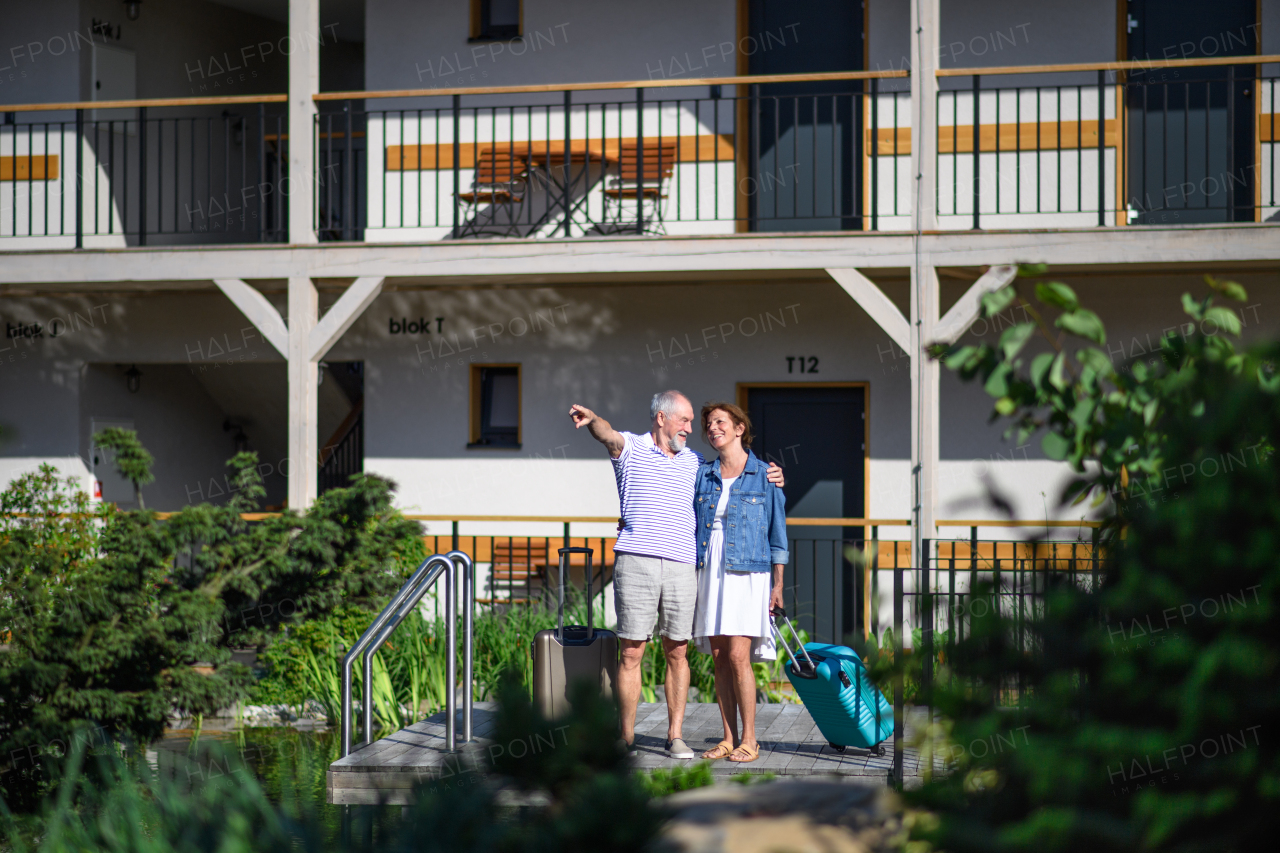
(656, 494)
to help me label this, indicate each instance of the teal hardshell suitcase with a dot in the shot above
(833, 684)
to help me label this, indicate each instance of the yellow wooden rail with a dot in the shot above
(1129, 65)
(147, 102)
(617, 84)
(1126, 65)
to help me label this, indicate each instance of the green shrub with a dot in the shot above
(212, 802)
(109, 613)
(662, 781)
(1147, 721)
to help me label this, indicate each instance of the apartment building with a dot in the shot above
(404, 237)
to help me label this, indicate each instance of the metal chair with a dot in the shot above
(496, 200)
(633, 200)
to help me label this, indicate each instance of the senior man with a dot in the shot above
(653, 577)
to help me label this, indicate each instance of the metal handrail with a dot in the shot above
(462, 562)
(400, 606)
(437, 565)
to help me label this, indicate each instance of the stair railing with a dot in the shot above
(401, 605)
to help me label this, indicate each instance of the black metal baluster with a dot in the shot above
(899, 708)
(244, 173)
(1017, 149)
(568, 160)
(142, 176)
(753, 160)
(1231, 147)
(1039, 148)
(875, 154)
(1186, 142)
(1208, 111)
(977, 152)
(639, 161)
(457, 163)
(191, 172)
(349, 173)
(262, 172)
(1102, 143)
(80, 146)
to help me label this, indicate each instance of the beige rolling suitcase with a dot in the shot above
(569, 653)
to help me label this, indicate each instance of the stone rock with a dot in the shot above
(800, 816)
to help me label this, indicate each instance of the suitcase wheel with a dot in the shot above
(838, 747)
(878, 749)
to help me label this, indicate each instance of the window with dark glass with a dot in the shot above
(495, 405)
(495, 19)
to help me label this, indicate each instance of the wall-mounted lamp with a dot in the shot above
(132, 8)
(133, 379)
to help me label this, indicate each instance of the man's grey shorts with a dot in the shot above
(649, 590)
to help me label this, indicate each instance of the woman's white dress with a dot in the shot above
(732, 603)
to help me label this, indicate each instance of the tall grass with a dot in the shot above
(409, 670)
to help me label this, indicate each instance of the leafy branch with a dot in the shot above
(1105, 420)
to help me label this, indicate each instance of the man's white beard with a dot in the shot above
(676, 443)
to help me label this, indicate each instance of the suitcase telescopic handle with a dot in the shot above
(806, 669)
(564, 574)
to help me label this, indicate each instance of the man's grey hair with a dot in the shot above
(666, 403)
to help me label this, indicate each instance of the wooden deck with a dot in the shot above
(790, 745)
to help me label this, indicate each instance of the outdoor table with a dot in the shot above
(580, 168)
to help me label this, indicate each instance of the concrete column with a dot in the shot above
(925, 25)
(304, 442)
(304, 81)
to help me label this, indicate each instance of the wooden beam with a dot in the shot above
(1009, 138)
(261, 313)
(880, 307)
(343, 313)
(729, 257)
(704, 148)
(27, 167)
(961, 316)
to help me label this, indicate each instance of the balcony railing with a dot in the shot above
(1110, 144)
(135, 173)
(759, 153)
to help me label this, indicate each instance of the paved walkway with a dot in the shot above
(790, 745)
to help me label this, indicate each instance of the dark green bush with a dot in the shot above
(108, 614)
(1148, 714)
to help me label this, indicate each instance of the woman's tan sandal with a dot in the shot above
(721, 750)
(744, 754)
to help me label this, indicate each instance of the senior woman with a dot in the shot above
(742, 540)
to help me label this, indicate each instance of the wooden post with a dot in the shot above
(304, 81)
(925, 21)
(303, 394)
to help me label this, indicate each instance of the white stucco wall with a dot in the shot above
(608, 347)
(424, 44)
(39, 53)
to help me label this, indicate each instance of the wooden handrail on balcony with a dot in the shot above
(618, 84)
(1127, 65)
(146, 102)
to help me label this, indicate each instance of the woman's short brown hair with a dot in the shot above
(735, 414)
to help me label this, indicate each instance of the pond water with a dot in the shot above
(290, 763)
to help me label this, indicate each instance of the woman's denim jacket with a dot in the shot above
(755, 522)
